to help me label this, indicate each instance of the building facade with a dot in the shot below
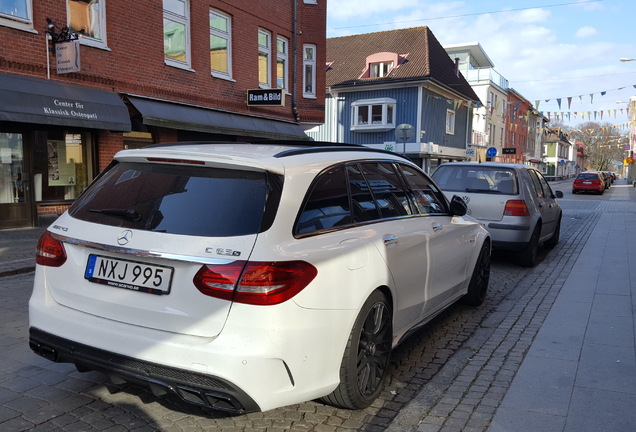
(397, 90)
(81, 80)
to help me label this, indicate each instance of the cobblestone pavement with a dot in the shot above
(449, 376)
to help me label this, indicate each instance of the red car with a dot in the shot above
(589, 182)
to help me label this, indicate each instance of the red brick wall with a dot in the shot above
(134, 62)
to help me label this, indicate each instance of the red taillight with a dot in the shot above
(256, 283)
(516, 208)
(50, 252)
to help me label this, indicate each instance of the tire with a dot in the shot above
(554, 240)
(528, 256)
(366, 357)
(478, 286)
(573, 192)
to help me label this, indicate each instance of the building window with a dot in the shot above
(309, 71)
(90, 16)
(374, 115)
(176, 33)
(379, 70)
(220, 45)
(264, 58)
(450, 122)
(16, 13)
(310, 1)
(282, 47)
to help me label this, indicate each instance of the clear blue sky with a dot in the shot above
(546, 49)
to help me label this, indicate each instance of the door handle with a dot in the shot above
(389, 240)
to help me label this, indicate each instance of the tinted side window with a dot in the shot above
(536, 186)
(428, 199)
(547, 190)
(172, 199)
(327, 205)
(364, 208)
(387, 189)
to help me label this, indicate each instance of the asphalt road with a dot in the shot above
(435, 374)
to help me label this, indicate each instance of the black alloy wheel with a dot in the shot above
(366, 357)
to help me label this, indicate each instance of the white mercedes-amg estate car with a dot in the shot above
(246, 277)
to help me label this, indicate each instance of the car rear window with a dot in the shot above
(198, 201)
(476, 178)
(587, 177)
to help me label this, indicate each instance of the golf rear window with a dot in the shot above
(198, 201)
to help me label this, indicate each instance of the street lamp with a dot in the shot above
(626, 59)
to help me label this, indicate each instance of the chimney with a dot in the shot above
(457, 66)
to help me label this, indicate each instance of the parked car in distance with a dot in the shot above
(589, 181)
(514, 201)
(245, 277)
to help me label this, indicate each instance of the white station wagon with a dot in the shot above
(246, 277)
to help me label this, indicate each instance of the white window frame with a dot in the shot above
(380, 69)
(18, 22)
(227, 35)
(310, 1)
(309, 88)
(388, 110)
(88, 40)
(265, 51)
(450, 122)
(185, 20)
(282, 57)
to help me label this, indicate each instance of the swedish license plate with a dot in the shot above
(587, 182)
(130, 275)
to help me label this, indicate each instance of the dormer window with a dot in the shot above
(381, 69)
(379, 65)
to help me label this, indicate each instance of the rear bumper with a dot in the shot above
(509, 236)
(199, 389)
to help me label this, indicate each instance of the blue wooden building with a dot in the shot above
(397, 90)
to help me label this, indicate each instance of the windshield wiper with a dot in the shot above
(129, 214)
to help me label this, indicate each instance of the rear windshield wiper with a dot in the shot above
(129, 214)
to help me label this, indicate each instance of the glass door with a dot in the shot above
(15, 201)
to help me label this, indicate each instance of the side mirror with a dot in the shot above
(558, 194)
(458, 206)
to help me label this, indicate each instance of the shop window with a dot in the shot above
(11, 169)
(89, 16)
(373, 115)
(17, 14)
(176, 33)
(62, 168)
(220, 45)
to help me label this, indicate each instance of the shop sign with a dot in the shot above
(509, 150)
(67, 57)
(266, 97)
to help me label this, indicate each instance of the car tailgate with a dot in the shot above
(150, 287)
(483, 206)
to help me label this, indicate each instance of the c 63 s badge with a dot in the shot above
(222, 251)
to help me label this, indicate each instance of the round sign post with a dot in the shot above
(491, 152)
(404, 132)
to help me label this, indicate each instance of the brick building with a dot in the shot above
(143, 72)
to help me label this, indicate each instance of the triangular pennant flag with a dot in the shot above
(603, 93)
(591, 97)
(569, 102)
(536, 104)
(559, 102)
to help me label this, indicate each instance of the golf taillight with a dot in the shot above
(516, 208)
(256, 283)
(49, 252)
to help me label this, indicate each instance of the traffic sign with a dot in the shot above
(491, 152)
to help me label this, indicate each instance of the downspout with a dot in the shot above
(295, 63)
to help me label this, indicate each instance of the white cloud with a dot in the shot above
(586, 31)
